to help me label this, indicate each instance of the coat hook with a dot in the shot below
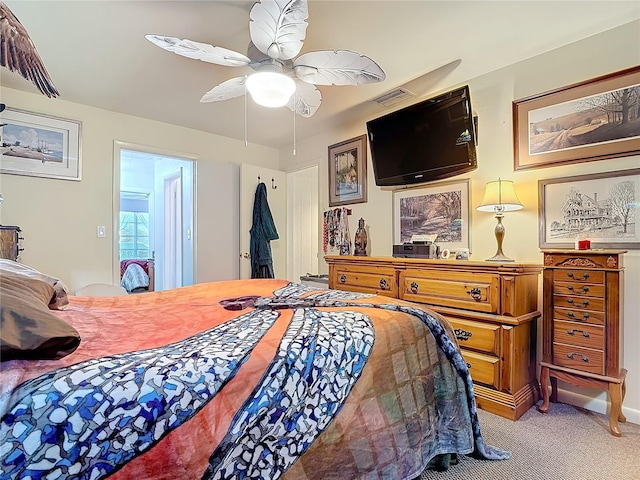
(258, 179)
(273, 184)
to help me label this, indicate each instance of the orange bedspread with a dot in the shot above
(190, 383)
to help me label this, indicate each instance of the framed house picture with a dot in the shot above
(440, 209)
(348, 172)
(602, 208)
(592, 120)
(40, 145)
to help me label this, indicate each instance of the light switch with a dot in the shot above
(101, 231)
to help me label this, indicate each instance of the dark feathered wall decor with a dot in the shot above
(19, 54)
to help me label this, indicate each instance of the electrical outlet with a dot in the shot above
(101, 231)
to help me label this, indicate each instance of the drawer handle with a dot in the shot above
(343, 278)
(584, 334)
(475, 293)
(585, 316)
(570, 287)
(571, 355)
(414, 287)
(584, 275)
(462, 334)
(570, 300)
(383, 284)
(585, 303)
(468, 365)
(585, 289)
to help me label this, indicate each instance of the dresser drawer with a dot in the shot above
(483, 337)
(575, 315)
(377, 280)
(582, 289)
(578, 276)
(470, 291)
(579, 303)
(580, 358)
(483, 368)
(579, 334)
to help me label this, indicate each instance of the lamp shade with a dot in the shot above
(499, 195)
(270, 89)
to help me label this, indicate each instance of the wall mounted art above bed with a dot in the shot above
(259, 379)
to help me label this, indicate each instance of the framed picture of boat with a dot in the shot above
(39, 145)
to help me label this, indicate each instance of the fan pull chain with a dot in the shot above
(245, 112)
(294, 123)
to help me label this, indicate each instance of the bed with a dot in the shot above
(137, 274)
(258, 379)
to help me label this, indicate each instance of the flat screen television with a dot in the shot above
(430, 140)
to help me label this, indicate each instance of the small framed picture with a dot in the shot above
(440, 209)
(348, 172)
(40, 145)
(601, 208)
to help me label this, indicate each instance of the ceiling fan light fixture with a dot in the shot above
(270, 89)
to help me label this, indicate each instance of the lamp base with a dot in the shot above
(499, 257)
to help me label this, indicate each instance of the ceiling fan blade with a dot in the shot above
(278, 27)
(225, 91)
(307, 99)
(337, 67)
(200, 51)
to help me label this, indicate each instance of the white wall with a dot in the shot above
(58, 218)
(492, 96)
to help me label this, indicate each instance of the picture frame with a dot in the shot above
(40, 145)
(586, 121)
(348, 172)
(602, 208)
(440, 209)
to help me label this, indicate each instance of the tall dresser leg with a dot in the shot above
(621, 416)
(615, 391)
(544, 387)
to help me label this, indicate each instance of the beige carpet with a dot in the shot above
(567, 443)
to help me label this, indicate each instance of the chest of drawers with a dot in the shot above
(491, 306)
(10, 242)
(582, 325)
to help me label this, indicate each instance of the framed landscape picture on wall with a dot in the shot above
(602, 208)
(440, 209)
(592, 120)
(40, 145)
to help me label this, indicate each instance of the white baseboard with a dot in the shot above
(598, 405)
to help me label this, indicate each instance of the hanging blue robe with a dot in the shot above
(262, 232)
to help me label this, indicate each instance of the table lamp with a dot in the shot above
(499, 197)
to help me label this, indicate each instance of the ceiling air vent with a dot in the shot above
(394, 96)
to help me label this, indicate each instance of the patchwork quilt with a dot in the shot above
(251, 379)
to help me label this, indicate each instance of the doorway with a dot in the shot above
(157, 190)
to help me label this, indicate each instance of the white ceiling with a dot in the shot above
(97, 55)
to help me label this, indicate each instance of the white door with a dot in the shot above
(276, 183)
(173, 230)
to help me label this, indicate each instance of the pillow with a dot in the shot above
(58, 300)
(28, 330)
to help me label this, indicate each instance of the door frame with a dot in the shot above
(118, 146)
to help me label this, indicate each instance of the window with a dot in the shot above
(134, 225)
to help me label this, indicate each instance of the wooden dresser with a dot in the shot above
(492, 306)
(10, 242)
(582, 327)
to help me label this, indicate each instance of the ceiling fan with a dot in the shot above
(277, 29)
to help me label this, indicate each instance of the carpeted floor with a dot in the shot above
(567, 443)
